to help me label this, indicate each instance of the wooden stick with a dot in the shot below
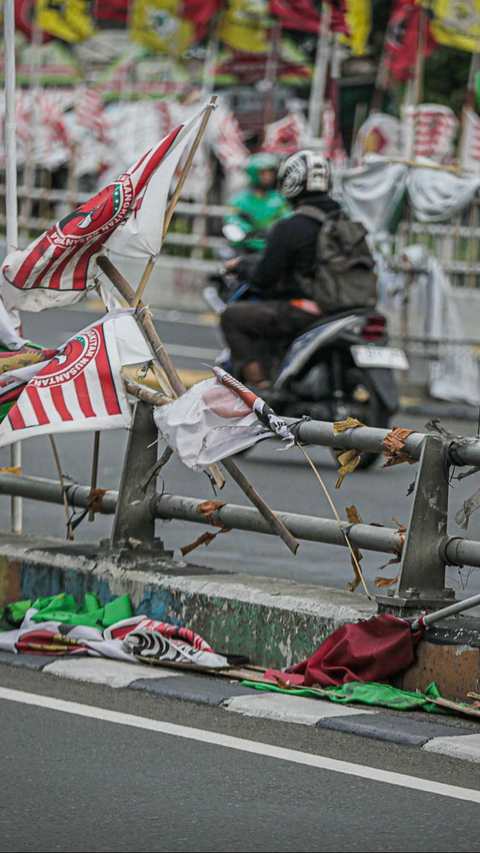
(455, 170)
(338, 519)
(183, 177)
(145, 394)
(273, 520)
(456, 706)
(94, 474)
(173, 202)
(175, 381)
(62, 483)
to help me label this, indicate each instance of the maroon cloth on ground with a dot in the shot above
(374, 650)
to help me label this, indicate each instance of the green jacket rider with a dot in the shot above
(260, 205)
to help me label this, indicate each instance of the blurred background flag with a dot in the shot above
(301, 15)
(244, 25)
(111, 13)
(358, 18)
(456, 23)
(401, 39)
(70, 20)
(338, 11)
(170, 26)
(158, 26)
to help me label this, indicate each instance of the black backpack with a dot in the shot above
(344, 275)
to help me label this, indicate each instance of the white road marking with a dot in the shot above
(289, 709)
(319, 762)
(112, 673)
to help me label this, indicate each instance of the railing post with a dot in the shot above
(134, 524)
(421, 585)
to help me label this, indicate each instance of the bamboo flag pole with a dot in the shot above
(163, 358)
(420, 59)
(62, 483)
(468, 107)
(94, 474)
(176, 195)
(419, 69)
(319, 82)
(437, 167)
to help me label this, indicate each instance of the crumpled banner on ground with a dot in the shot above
(371, 650)
(57, 626)
(152, 640)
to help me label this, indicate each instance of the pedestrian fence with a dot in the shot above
(194, 245)
(423, 549)
(455, 242)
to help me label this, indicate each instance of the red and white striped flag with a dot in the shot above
(81, 388)
(226, 139)
(89, 113)
(23, 118)
(470, 141)
(434, 128)
(285, 136)
(56, 269)
(52, 117)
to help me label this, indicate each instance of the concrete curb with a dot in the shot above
(275, 623)
(430, 734)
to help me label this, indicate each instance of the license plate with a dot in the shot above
(380, 357)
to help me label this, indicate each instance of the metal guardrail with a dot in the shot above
(455, 243)
(167, 507)
(462, 451)
(424, 550)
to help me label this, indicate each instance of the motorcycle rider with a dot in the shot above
(258, 206)
(276, 276)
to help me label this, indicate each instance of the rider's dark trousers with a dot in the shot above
(246, 326)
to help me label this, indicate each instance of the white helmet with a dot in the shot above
(303, 173)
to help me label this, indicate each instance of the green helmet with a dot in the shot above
(257, 163)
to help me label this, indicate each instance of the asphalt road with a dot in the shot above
(283, 479)
(111, 782)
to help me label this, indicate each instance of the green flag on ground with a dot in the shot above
(383, 695)
(63, 608)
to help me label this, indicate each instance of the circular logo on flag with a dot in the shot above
(98, 216)
(225, 403)
(72, 360)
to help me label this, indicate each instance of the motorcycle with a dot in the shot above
(224, 287)
(340, 367)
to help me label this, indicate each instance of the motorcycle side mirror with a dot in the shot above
(233, 233)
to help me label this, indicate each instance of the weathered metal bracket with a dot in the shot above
(421, 585)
